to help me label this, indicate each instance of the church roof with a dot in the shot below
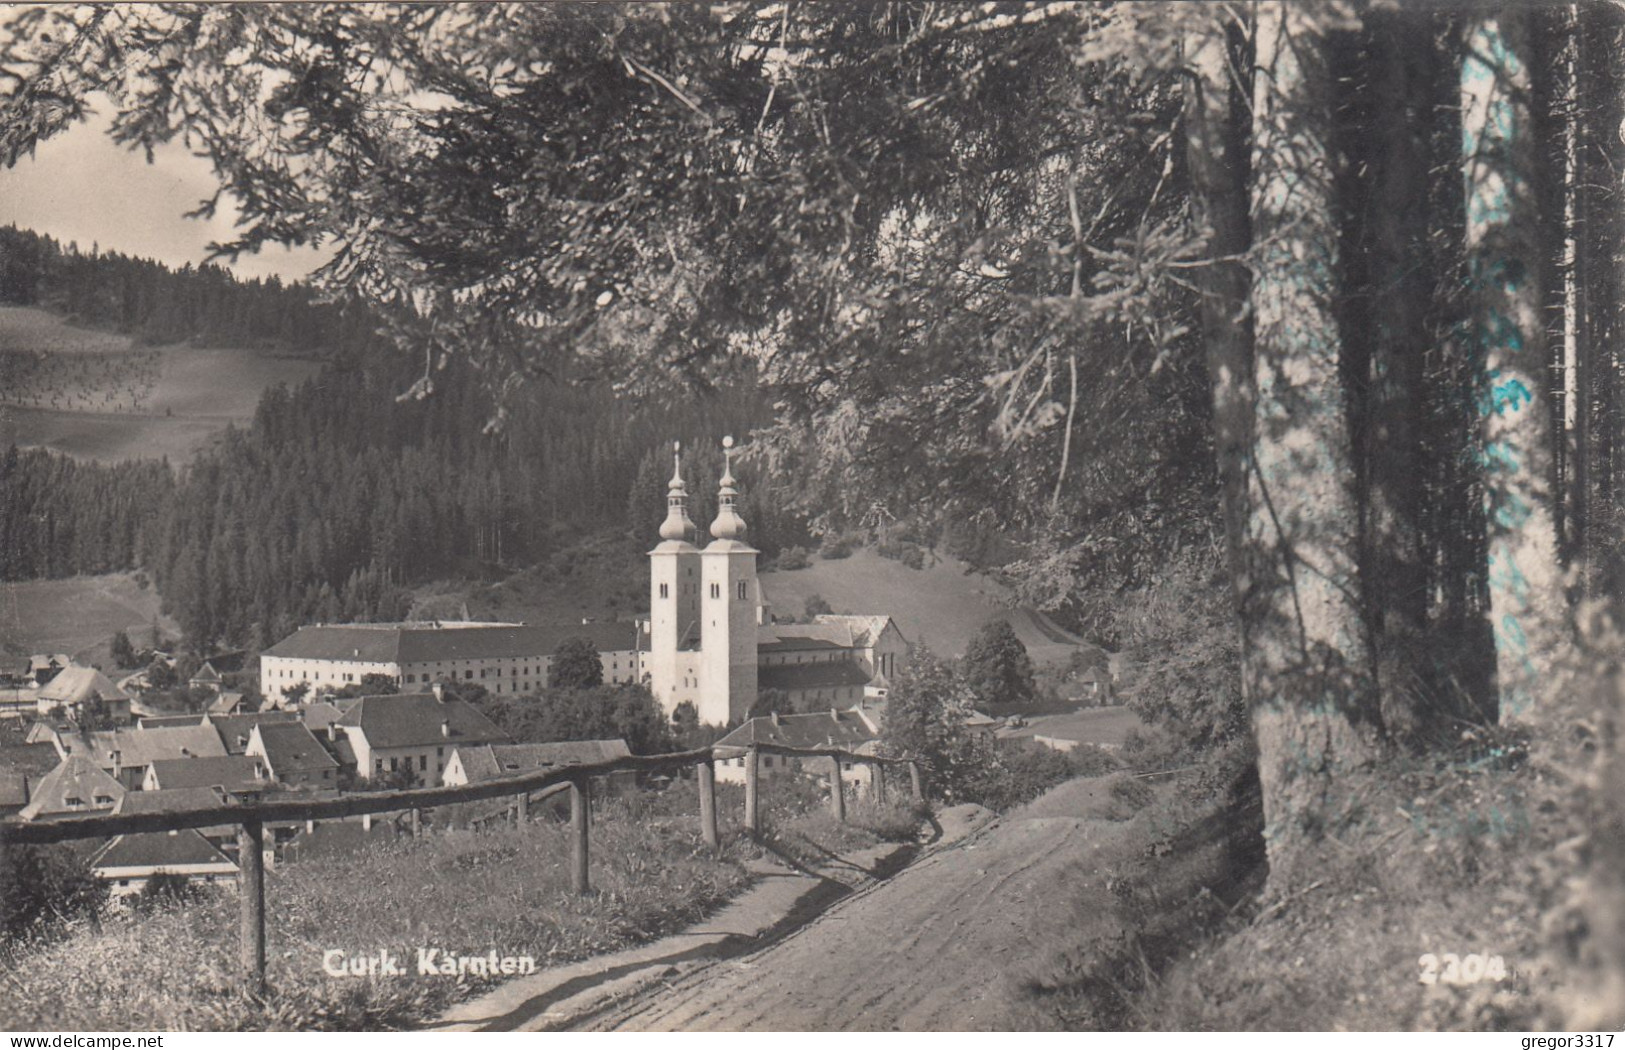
(866, 630)
(413, 644)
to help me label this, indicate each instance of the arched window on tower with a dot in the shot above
(742, 587)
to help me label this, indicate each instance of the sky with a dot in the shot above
(80, 186)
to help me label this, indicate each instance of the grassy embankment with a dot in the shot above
(463, 892)
(1475, 852)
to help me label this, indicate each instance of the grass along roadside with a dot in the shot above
(470, 893)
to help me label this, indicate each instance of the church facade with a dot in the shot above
(711, 641)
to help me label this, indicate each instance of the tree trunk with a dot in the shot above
(1601, 254)
(1215, 152)
(1309, 678)
(1503, 248)
(1394, 571)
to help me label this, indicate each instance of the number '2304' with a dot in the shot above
(1450, 968)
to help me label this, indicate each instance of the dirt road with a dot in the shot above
(937, 947)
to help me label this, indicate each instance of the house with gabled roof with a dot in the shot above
(129, 862)
(22, 767)
(293, 756)
(206, 677)
(415, 731)
(74, 688)
(472, 765)
(228, 704)
(854, 730)
(126, 753)
(229, 772)
(235, 730)
(75, 788)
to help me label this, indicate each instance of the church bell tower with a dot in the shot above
(730, 609)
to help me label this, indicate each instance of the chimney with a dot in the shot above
(332, 731)
(775, 716)
(445, 728)
(439, 689)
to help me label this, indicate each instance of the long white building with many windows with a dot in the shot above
(505, 658)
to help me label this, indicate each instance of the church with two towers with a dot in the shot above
(712, 642)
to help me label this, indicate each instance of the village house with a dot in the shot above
(472, 765)
(230, 772)
(22, 767)
(504, 658)
(292, 755)
(853, 730)
(126, 753)
(74, 688)
(76, 787)
(129, 862)
(412, 731)
(206, 677)
(227, 704)
(42, 667)
(234, 730)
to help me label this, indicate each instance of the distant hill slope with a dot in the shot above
(76, 616)
(97, 396)
(940, 604)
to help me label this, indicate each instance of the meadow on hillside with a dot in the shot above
(96, 395)
(76, 616)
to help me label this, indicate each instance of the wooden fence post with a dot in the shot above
(837, 791)
(877, 777)
(708, 804)
(417, 823)
(750, 790)
(580, 818)
(524, 807)
(914, 783)
(251, 891)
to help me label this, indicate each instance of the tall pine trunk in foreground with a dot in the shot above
(1215, 153)
(1503, 249)
(1601, 262)
(1309, 678)
(1399, 290)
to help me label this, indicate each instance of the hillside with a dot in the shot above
(99, 396)
(941, 604)
(76, 616)
(608, 579)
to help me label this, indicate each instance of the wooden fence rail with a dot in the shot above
(251, 814)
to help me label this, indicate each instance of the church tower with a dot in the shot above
(674, 602)
(730, 609)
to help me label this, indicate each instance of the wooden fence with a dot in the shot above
(251, 813)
